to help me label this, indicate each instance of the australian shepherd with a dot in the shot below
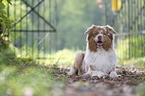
(100, 57)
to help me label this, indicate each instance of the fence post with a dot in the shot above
(105, 11)
(128, 26)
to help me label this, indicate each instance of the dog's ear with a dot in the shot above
(90, 29)
(110, 29)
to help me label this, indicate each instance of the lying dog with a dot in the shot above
(100, 57)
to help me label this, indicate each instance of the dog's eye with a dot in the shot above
(104, 33)
(95, 33)
(110, 30)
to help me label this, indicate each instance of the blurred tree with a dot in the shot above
(74, 17)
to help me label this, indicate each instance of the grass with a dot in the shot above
(138, 63)
(25, 77)
(65, 57)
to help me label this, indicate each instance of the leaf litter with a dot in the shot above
(128, 83)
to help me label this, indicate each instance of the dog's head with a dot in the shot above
(100, 37)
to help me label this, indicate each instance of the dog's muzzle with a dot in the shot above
(99, 41)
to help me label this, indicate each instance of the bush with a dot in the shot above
(5, 23)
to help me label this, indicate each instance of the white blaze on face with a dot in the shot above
(99, 38)
(100, 31)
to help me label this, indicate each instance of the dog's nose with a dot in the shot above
(99, 37)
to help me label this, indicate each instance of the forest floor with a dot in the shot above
(128, 83)
(23, 77)
(26, 77)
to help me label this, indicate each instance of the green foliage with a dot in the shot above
(9, 1)
(4, 20)
(3, 44)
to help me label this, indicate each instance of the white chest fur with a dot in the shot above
(101, 60)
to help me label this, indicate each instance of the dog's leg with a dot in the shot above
(113, 73)
(73, 70)
(76, 66)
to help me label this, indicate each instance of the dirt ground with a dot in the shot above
(128, 83)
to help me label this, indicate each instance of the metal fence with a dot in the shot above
(129, 22)
(34, 31)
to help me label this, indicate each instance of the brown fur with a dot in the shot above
(78, 61)
(93, 34)
(108, 43)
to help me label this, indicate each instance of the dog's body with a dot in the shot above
(100, 57)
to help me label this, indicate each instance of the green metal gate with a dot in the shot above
(34, 32)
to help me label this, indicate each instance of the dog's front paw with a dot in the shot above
(72, 71)
(113, 74)
(97, 73)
